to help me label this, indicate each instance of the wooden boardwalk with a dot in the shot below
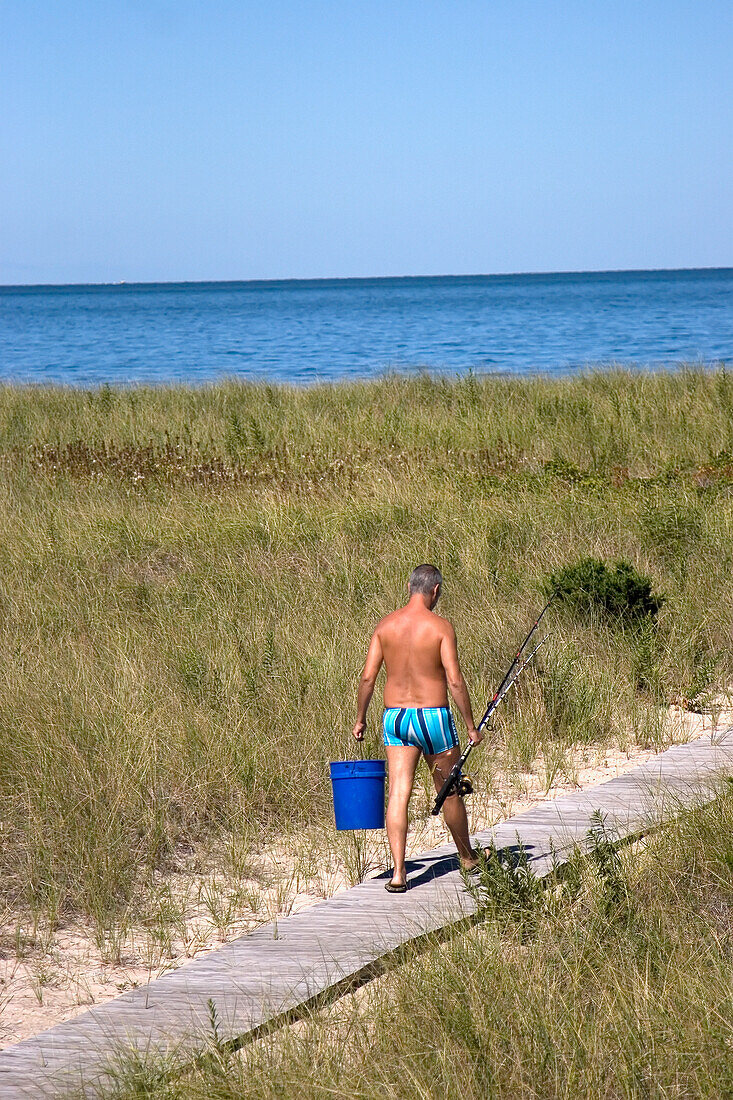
(281, 969)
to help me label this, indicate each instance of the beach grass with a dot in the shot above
(190, 577)
(614, 981)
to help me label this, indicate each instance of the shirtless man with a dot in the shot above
(418, 649)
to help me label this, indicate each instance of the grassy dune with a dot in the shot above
(613, 983)
(189, 578)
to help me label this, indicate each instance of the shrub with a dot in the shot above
(590, 588)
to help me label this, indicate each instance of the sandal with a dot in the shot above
(395, 887)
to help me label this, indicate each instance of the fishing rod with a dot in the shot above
(455, 781)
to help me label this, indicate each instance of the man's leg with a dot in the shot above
(454, 810)
(401, 762)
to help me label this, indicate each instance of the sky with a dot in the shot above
(171, 140)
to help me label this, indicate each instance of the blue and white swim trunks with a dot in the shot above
(431, 729)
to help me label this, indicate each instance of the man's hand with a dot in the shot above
(358, 731)
(475, 736)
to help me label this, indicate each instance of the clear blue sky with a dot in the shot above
(177, 139)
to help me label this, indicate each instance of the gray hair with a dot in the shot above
(424, 579)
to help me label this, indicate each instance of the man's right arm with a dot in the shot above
(456, 683)
(366, 685)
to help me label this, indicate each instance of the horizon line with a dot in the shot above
(361, 278)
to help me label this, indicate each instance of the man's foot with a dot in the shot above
(395, 887)
(473, 861)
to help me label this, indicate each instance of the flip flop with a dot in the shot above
(396, 887)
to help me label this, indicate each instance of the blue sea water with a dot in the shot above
(330, 329)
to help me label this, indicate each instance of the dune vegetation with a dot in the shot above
(190, 577)
(612, 982)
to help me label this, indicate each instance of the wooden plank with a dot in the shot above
(282, 967)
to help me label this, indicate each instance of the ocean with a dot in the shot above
(325, 330)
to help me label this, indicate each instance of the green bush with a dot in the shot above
(590, 588)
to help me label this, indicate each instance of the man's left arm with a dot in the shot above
(456, 683)
(366, 685)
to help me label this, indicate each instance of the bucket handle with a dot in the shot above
(361, 748)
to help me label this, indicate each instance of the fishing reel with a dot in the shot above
(464, 787)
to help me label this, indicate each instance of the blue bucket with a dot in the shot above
(358, 793)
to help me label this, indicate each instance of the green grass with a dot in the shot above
(189, 578)
(614, 982)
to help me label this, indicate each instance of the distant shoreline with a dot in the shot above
(557, 378)
(365, 279)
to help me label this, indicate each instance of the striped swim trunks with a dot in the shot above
(431, 729)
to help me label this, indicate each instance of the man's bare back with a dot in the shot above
(418, 650)
(411, 640)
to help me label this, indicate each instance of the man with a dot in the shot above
(418, 649)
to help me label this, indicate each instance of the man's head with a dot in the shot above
(426, 581)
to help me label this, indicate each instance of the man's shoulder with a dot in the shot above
(388, 620)
(443, 626)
